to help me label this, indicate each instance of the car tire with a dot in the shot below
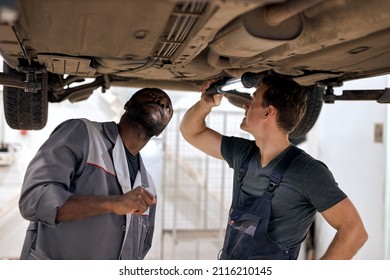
(25, 110)
(313, 109)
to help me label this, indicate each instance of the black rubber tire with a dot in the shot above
(25, 110)
(313, 110)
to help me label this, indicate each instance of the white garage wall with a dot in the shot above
(344, 140)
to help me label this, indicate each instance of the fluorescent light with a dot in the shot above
(232, 85)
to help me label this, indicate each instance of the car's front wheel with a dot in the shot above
(313, 109)
(25, 110)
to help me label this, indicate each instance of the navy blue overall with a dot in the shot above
(246, 233)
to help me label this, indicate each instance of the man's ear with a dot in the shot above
(270, 111)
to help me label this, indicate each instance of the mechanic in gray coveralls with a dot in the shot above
(87, 193)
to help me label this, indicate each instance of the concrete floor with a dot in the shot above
(12, 225)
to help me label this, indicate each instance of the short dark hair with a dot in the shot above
(287, 96)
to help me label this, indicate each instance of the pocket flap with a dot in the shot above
(237, 215)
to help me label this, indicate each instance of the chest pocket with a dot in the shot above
(240, 232)
(144, 228)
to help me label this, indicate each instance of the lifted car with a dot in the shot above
(49, 47)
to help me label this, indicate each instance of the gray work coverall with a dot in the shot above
(85, 158)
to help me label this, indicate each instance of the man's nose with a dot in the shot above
(161, 101)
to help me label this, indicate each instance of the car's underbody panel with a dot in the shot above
(176, 44)
(171, 41)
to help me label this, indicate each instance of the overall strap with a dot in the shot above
(244, 165)
(281, 167)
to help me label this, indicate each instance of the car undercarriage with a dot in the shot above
(51, 48)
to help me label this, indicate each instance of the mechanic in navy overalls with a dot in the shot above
(276, 194)
(247, 231)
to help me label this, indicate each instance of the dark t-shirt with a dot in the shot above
(307, 187)
(133, 164)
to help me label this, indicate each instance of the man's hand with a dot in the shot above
(79, 207)
(210, 100)
(136, 201)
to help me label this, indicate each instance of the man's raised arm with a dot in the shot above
(193, 125)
